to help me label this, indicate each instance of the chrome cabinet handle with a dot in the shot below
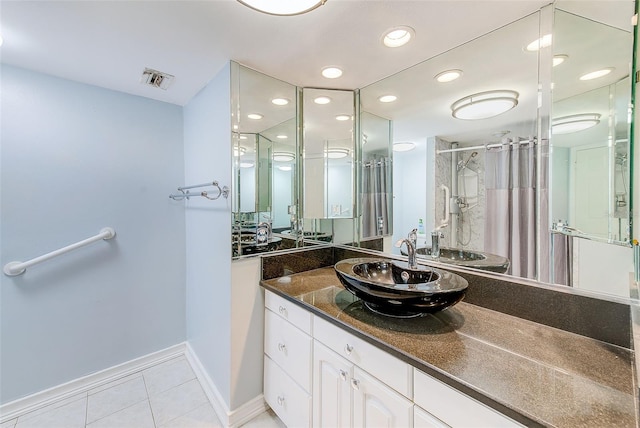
(343, 375)
(348, 349)
(355, 384)
(280, 400)
(282, 347)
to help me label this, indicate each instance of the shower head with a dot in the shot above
(463, 164)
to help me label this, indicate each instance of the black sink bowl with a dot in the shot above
(244, 243)
(391, 288)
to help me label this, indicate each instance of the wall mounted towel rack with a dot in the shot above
(18, 268)
(185, 194)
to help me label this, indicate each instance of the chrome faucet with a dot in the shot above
(411, 251)
(263, 232)
(435, 243)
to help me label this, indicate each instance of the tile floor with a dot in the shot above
(164, 396)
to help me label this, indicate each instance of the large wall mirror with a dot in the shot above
(472, 149)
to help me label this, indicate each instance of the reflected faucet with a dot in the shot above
(411, 251)
(435, 243)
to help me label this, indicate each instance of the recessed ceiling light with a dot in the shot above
(397, 36)
(403, 146)
(284, 168)
(255, 116)
(574, 123)
(343, 117)
(448, 76)
(336, 153)
(282, 137)
(542, 42)
(387, 98)
(246, 164)
(596, 74)
(559, 59)
(283, 7)
(280, 101)
(322, 100)
(331, 72)
(484, 105)
(283, 156)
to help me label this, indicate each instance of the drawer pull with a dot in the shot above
(343, 375)
(355, 384)
(348, 349)
(282, 310)
(282, 347)
(280, 400)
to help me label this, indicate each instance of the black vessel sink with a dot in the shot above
(392, 288)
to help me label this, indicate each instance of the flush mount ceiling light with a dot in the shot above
(283, 156)
(404, 146)
(387, 98)
(282, 137)
(484, 105)
(238, 151)
(397, 36)
(322, 100)
(331, 72)
(283, 7)
(574, 123)
(280, 101)
(542, 42)
(284, 168)
(596, 74)
(255, 116)
(336, 153)
(448, 76)
(343, 117)
(559, 59)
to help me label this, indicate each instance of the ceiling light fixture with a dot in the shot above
(282, 137)
(542, 42)
(574, 123)
(283, 156)
(285, 168)
(322, 100)
(484, 105)
(255, 116)
(238, 151)
(343, 117)
(246, 164)
(448, 76)
(403, 146)
(280, 101)
(559, 59)
(397, 36)
(596, 74)
(283, 7)
(331, 72)
(387, 98)
(336, 153)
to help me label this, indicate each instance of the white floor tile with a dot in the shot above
(177, 401)
(136, 416)
(115, 399)
(167, 375)
(71, 415)
(267, 419)
(202, 417)
(9, 424)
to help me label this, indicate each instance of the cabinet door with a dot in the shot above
(331, 388)
(377, 405)
(423, 419)
(285, 397)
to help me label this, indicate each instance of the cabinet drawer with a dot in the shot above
(445, 402)
(290, 402)
(390, 370)
(293, 313)
(289, 347)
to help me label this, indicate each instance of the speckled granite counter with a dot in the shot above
(538, 375)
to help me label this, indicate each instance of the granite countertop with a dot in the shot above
(536, 374)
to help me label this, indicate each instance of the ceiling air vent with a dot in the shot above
(156, 78)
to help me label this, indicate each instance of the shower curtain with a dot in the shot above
(376, 207)
(510, 206)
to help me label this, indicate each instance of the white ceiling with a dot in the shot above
(109, 43)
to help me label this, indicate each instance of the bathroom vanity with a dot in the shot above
(329, 361)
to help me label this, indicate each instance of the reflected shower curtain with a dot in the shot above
(376, 207)
(510, 206)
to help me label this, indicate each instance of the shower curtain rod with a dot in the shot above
(486, 146)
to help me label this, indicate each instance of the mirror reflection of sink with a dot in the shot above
(244, 243)
(392, 288)
(467, 258)
(317, 236)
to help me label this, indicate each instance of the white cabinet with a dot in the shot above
(287, 399)
(332, 376)
(423, 419)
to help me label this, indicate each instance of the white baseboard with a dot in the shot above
(49, 396)
(227, 417)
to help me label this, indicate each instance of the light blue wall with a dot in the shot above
(207, 146)
(76, 158)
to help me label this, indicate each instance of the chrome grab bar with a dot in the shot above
(222, 191)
